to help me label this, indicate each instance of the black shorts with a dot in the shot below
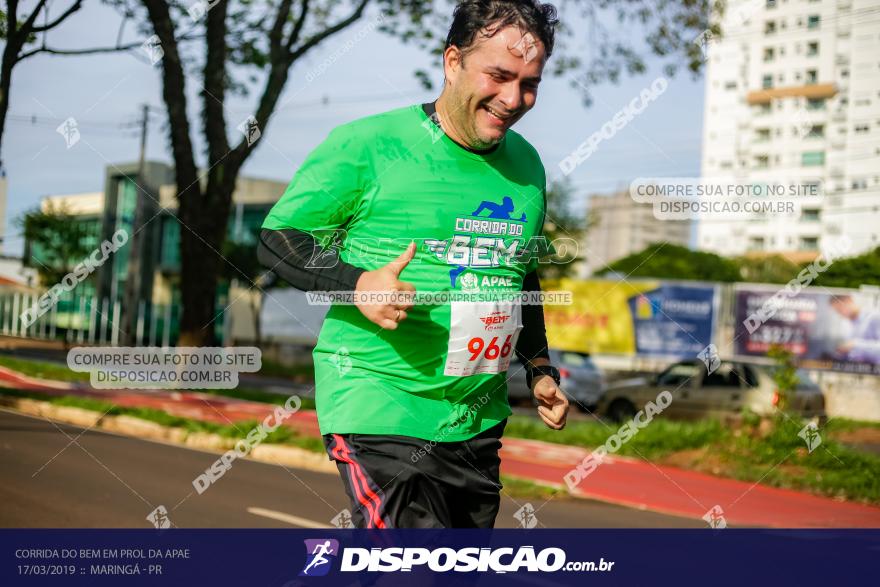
(406, 482)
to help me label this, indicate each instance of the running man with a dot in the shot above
(415, 417)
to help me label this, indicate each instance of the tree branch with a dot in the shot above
(174, 96)
(213, 115)
(278, 75)
(277, 31)
(28, 25)
(73, 8)
(297, 26)
(314, 40)
(80, 51)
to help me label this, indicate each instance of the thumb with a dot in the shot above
(398, 265)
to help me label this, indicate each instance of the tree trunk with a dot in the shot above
(202, 234)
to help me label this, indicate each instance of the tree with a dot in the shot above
(784, 375)
(854, 272)
(56, 242)
(767, 269)
(564, 230)
(668, 261)
(20, 33)
(243, 261)
(267, 38)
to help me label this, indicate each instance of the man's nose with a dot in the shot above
(511, 96)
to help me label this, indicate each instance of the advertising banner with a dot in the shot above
(640, 317)
(837, 330)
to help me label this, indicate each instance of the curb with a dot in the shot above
(275, 454)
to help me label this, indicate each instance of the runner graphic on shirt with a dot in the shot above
(500, 211)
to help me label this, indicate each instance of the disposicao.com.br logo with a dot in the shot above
(321, 552)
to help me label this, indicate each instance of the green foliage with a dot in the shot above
(562, 228)
(60, 239)
(669, 261)
(852, 272)
(784, 374)
(766, 269)
(42, 369)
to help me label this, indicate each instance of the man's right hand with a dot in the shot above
(385, 279)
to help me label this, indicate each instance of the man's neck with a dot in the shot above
(436, 111)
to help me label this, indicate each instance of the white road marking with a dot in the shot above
(288, 518)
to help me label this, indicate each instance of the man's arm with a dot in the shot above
(287, 253)
(531, 348)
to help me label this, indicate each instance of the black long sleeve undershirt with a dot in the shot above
(532, 341)
(297, 258)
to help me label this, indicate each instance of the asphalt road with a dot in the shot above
(60, 476)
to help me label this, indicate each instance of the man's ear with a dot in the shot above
(452, 61)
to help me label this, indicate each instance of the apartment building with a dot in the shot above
(793, 98)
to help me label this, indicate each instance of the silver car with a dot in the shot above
(732, 387)
(580, 379)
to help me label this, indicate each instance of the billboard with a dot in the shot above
(825, 329)
(640, 317)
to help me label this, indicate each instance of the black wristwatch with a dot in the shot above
(550, 370)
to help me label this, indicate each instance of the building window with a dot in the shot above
(769, 53)
(756, 243)
(812, 48)
(817, 131)
(815, 103)
(810, 215)
(813, 21)
(861, 128)
(762, 135)
(762, 161)
(860, 183)
(809, 243)
(730, 86)
(767, 81)
(769, 27)
(763, 109)
(812, 158)
(812, 76)
(771, 3)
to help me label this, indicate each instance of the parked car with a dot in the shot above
(580, 379)
(728, 390)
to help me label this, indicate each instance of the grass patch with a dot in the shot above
(42, 369)
(660, 438)
(58, 372)
(281, 435)
(847, 425)
(528, 489)
(256, 395)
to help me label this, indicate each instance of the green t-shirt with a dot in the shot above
(386, 180)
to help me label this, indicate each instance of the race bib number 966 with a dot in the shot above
(482, 336)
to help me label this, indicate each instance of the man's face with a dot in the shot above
(494, 85)
(846, 307)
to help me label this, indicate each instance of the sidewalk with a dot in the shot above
(623, 481)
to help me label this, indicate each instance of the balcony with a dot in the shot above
(812, 91)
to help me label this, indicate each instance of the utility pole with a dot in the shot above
(136, 282)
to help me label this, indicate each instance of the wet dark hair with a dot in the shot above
(470, 17)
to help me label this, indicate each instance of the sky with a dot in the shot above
(371, 74)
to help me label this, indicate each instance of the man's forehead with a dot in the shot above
(518, 42)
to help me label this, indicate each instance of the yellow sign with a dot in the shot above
(599, 319)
